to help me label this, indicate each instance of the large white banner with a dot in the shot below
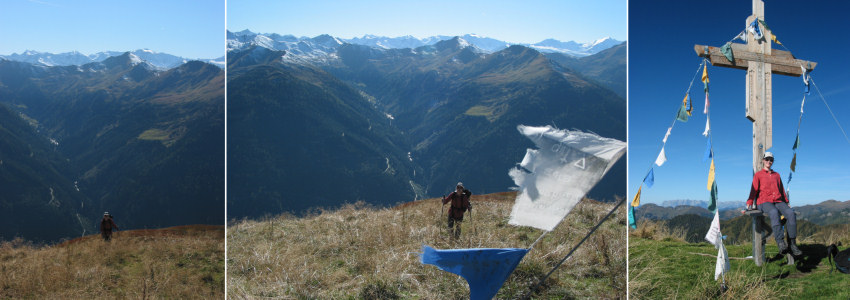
(553, 178)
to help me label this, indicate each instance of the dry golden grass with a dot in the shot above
(363, 252)
(184, 262)
(658, 230)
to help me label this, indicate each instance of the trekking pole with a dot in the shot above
(534, 289)
(471, 221)
(442, 208)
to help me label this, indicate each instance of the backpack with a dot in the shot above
(842, 259)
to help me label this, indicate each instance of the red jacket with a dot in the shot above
(767, 187)
(460, 203)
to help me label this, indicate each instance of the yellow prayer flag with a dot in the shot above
(710, 175)
(794, 163)
(773, 37)
(636, 201)
(685, 103)
(705, 73)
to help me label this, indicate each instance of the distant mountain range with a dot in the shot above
(119, 135)
(722, 205)
(818, 219)
(161, 61)
(323, 43)
(320, 122)
(824, 213)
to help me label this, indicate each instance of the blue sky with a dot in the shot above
(511, 21)
(662, 63)
(188, 28)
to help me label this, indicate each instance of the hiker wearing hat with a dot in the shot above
(106, 226)
(769, 196)
(460, 204)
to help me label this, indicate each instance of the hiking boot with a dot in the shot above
(794, 250)
(783, 247)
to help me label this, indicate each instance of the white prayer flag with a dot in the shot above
(713, 236)
(661, 158)
(705, 133)
(566, 165)
(667, 134)
(722, 265)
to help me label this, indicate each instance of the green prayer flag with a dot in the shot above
(796, 142)
(683, 114)
(712, 205)
(727, 51)
(764, 24)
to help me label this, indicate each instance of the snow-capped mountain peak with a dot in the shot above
(134, 59)
(598, 42)
(463, 43)
(324, 46)
(75, 58)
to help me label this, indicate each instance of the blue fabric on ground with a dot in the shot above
(485, 269)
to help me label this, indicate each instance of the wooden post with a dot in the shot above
(759, 235)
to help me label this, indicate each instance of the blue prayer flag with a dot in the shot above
(707, 154)
(754, 29)
(806, 82)
(649, 179)
(485, 269)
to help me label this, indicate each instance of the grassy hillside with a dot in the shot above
(363, 252)
(663, 266)
(185, 262)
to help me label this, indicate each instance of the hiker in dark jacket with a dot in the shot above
(460, 204)
(106, 226)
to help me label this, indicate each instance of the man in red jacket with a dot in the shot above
(460, 204)
(770, 197)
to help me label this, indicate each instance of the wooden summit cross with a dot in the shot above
(760, 61)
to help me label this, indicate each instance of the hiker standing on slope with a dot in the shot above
(106, 226)
(460, 204)
(770, 197)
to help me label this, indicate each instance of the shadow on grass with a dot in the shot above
(813, 255)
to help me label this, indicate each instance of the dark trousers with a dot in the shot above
(456, 224)
(773, 210)
(107, 235)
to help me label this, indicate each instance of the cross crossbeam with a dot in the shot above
(783, 63)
